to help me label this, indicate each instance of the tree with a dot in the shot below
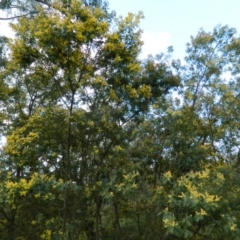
(191, 138)
(104, 145)
(28, 8)
(77, 90)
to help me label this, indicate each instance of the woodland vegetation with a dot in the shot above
(101, 144)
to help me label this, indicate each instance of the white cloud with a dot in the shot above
(5, 30)
(154, 43)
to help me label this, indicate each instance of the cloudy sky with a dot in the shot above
(172, 22)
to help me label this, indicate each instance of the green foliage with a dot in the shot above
(103, 145)
(197, 204)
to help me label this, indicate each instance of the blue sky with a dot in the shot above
(172, 22)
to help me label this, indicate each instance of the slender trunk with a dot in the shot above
(98, 215)
(97, 227)
(11, 225)
(117, 222)
(66, 177)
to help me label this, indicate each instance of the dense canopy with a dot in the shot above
(101, 144)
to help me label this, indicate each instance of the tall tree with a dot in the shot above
(77, 88)
(14, 9)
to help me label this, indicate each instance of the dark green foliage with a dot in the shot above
(104, 145)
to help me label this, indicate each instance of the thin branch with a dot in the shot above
(44, 2)
(11, 18)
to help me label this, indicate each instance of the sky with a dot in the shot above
(172, 22)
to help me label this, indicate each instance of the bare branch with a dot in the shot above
(44, 2)
(11, 18)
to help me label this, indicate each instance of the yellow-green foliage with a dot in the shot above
(195, 203)
(38, 186)
(98, 144)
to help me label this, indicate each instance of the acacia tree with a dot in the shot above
(97, 148)
(14, 9)
(199, 125)
(77, 88)
(196, 138)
